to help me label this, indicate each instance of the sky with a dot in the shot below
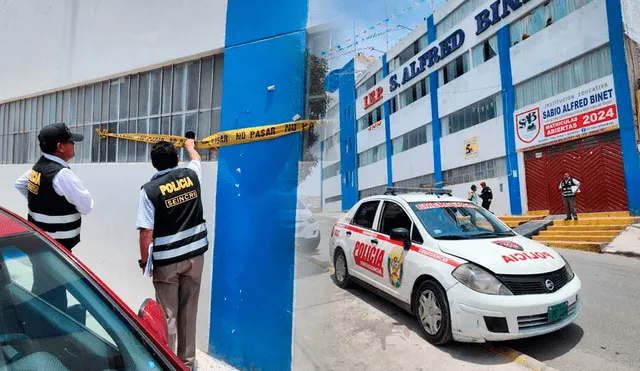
(366, 14)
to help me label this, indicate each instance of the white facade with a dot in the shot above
(544, 36)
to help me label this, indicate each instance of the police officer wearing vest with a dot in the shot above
(569, 195)
(170, 216)
(56, 198)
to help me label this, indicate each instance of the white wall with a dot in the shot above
(631, 18)
(371, 138)
(331, 187)
(109, 245)
(490, 136)
(572, 36)
(411, 117)
(332, 207)
(419, 30)
(479, 83)
(56, 44)
(372, 175)
(413, 163)
(500, 204)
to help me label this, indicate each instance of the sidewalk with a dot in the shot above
(208, 363)
(626, 243)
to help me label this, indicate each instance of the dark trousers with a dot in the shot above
(486, 204)
(570, 206)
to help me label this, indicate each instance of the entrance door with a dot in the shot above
(595, 161)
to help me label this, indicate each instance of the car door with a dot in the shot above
(400, 264)
(366, 256)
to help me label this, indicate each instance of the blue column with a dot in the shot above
(348, 137)
(387, 126)
(625, 109)
(321, 175)
(253, 264)
(436, 126)
(508, 110)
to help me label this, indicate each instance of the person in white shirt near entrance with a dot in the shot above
(569, 186)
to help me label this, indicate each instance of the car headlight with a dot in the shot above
(478, 279)
(567, 266)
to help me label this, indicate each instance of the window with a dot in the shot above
(474, 114)
(375, 154)
(373, 191)
(454, 69)
(485, 51)
(476, 172)
(580, 71)
(169, 100)
(366, 214)
(331, 171)
(541, 17)
(369, 83)
(393, 216)
(412, 94)
(58, 317)
(459, 221)
(414, 138)
(333, 199)
(415, 182)
(452, 19)
(370, 118)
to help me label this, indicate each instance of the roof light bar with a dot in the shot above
(426, 190)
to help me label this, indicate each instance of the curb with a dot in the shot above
(520, 358)
(628, 254)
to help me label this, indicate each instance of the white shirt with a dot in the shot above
(146, 211)
(66, 183)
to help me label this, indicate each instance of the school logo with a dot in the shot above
(394, 265)
(528, 125)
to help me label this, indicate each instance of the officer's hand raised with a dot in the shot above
(190, 144)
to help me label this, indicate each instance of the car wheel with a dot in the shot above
(343, 279)
(432, 312)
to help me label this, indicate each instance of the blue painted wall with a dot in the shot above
(625, 110)
(348, 138)
(508, 109)
(387, 126)
(436, 126)
(253, 263)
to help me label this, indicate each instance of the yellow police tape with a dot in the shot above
(223, 138)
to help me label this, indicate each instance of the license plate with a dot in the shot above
(557, 312)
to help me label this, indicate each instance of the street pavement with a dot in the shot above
(356, 330)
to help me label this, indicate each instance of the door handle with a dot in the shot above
(348, 233)
(374, 241)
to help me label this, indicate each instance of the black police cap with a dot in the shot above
(58, 133)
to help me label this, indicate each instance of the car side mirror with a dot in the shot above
(152, 316)
(402, 235)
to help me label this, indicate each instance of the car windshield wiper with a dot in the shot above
(492, 234)
(452, 237)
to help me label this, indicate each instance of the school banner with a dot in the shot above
(587, 110)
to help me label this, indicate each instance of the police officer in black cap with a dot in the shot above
(56, 196)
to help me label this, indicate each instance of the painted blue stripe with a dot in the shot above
(387, 126)
(348, 138)
(508, 109)
(431, 29)
(625, 109)
(251, 318)
(321, 175)
(436, 126)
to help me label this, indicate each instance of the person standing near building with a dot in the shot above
(569, 186)
(486, 195)
(56, 199)
(473, 194)
(170, 216)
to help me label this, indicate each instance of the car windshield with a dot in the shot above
(459, 220)
(52, 317)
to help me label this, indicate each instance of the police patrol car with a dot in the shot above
(460, 270)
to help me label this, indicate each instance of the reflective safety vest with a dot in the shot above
(566, 187)
(49, 211)
(179, 230)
